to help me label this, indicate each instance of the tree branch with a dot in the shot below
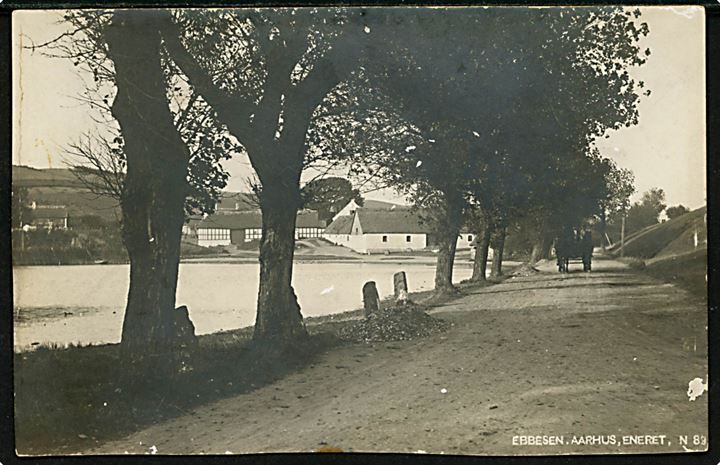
(233, 110)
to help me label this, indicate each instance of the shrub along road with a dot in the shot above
(545, 357)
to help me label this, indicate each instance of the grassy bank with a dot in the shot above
(72, 399)
(75, 398)
(674, 251)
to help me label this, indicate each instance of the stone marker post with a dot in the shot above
(401, 287)
(184, 327)
(371, 298)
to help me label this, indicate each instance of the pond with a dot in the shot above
(84, 304)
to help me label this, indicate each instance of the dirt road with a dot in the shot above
(550, 358)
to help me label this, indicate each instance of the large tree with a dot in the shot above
(265, 73)
(268, 74)
(158, 156)
(619, 186)
(646, 212)
(155, 183)
(328, 195)
(535, 98)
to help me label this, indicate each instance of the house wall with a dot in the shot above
(397, 242)
(356, 243)
(237, 236)
(465, 240)
(212, 242)
(212, 237)
(356, 228)
(337, 239)
(303, 232)
(372, 243)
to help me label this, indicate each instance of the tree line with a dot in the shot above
(484, 118)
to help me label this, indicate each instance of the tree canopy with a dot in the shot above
(458, 108)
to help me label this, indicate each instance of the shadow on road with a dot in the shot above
(566, 286)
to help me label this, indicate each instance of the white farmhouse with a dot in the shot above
(378, 231)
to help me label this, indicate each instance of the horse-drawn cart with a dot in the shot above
(573, 245)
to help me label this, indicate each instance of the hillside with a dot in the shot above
(672, 237)
(674, 251)
(59, 186)
(26, 176)
(77, 200)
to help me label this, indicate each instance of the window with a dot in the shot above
(469, 237)
(252, 234)
(384, 239)
(214, 234)
(408, 239)
(302, 233)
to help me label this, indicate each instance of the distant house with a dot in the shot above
(55, 217)
(246, 226)
(385, 230)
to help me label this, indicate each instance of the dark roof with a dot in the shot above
(399, 220)
(369, 204)
(253, 220)
(309, 219)
(341, 225)
(237, 201)
(48, 213)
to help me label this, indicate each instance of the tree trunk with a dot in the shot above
(481, 255)
(540, 250)
(448, 232)
(155, 185)
(603, 228)
(498, 253)
(446, 260)
(279, 322)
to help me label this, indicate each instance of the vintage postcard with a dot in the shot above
(420, 230)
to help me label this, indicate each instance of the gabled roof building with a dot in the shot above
(389, 230)
(246, 226)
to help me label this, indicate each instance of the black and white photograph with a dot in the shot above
(468, 230)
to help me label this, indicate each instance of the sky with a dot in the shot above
(666, 149)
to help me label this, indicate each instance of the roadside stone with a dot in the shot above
(371, 298)
(400, 287)
(184, 327)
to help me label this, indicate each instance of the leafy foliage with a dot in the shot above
(98, 158)
(676, 211)
(647, 211)
(329, 195)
